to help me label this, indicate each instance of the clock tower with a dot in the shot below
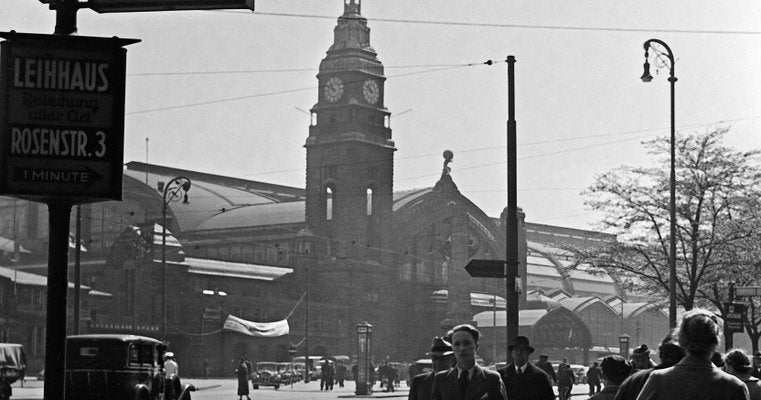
(350, 154)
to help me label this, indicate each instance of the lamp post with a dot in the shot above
(623, 346)
(646, 77)
(175, 190)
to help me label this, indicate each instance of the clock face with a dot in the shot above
(371, 91)
(334, 89)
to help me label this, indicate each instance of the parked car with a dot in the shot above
(12, 367)
(119, 367)
(266, 374)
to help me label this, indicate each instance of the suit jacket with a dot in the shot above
(695, 379)
(484, 384)
(421, 387)
(532, 384)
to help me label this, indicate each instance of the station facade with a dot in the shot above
(344, 250)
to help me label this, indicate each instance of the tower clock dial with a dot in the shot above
(371, 91)
(334, 89)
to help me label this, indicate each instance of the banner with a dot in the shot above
(259, 329)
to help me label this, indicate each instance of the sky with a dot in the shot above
(228, 92)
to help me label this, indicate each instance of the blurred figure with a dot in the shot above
(614, 370)
(523, 380)
(566, 380)
(695, 377)
(669, 352)
(242, 373)
(172, 376)
(593, 378)
(340, 373)
(641, 358)
(545, 366)
(442, 359)
(737, 363)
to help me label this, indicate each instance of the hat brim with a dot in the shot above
(515, 346)
(440, 353)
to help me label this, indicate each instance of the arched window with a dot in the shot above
(328, 203)
(369, 201)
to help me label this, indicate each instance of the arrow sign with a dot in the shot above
(486, 268)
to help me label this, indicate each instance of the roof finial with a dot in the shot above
(352, 6)
(448, 155)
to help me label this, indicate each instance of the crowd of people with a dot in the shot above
(690, 368)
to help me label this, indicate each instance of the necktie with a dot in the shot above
(464, 380)
(519, 372)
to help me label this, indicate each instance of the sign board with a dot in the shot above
(212, 314)
(109, 6)
(62, 116)
(747, 291)
(734, 317)
(486, 268)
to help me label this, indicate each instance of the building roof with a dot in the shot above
(202, 266)
(29, 279)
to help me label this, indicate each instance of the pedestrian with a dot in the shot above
(546, 366)
(614, 370)
(737, 363)
(340, 373)
(331, 375)
(524, 380)
(206, 368)
(566, 380)
(171, 375)
(756, 373)
(669, 352)
(641, 358)
(695, 377)
(593, 378)
(467, 380)
(442, 359)
(391, 377)
(242, 373)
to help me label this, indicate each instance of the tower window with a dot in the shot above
(369, 201)
(328, 203)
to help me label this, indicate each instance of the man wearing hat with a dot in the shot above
(523, 380)
(467, 380)
(545, 366)
(421, 386)
(641, 358)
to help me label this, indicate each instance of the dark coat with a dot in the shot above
(242, 373)
(484, 384)
(421, 387)
(532, 384)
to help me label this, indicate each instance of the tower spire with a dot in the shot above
(352, 7)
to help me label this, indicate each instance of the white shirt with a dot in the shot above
(170, 367)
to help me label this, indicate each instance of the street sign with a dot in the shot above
(734, 317)
(486, 268)
(62, 116)
(747, 291)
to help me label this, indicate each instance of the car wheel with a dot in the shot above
(277, 387)
(256, 386)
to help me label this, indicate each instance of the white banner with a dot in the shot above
(260, 329)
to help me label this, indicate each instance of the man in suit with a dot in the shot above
(467, 380)
(421, 386)
(524, 380)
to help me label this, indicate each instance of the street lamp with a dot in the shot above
(175, 190)
(292, 351)
(646, 77)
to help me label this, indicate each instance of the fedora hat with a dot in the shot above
(440, 348)
(520, 341)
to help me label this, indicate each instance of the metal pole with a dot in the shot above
(672, 209)
(306, 329)
(55, 330)
(672, 179)
(66, 17)
(163, 268)
(511, 273)
(77, 269)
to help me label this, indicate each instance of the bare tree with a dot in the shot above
(716, 205)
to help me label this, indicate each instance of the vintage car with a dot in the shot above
(12, 367)
(266, 374)
(119, 367)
